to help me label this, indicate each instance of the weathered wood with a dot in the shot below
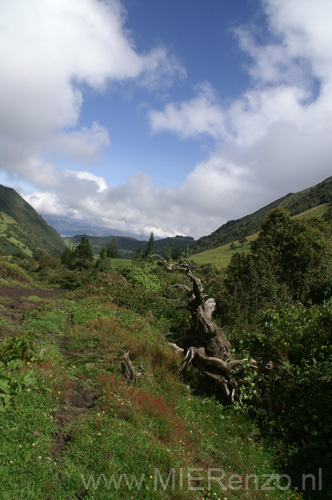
(128, 370)
(206, 345)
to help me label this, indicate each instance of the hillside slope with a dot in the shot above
(295, 203)
(23, 229)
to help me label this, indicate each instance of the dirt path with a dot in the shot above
(16, 293)
(14, 304)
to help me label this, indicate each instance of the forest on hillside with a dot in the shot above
(273, 308)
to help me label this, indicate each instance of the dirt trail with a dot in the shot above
(13, 304)
(81, 397)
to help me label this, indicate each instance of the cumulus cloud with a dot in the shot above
(199, 116)
(80, 145)
(48, 51)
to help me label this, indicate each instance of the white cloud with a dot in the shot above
(305, 28)
(50, 49)
(80, 145)
(199, 116)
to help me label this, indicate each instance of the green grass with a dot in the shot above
(221, 256)
(8, 231)
(121, 263)
(318, 211)
(74, 423)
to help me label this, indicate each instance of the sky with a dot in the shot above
(171, 116)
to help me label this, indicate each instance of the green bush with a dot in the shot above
(292, 400)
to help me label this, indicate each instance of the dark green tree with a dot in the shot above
(84, 251)
(68, 257)
(298, 253)
(291, 260)
(103, 253)
(150, 249)
(112, 252)
(242, 240)
(168, 251)
(138, 255)
(177, 254)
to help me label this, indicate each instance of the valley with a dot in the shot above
(73, 424)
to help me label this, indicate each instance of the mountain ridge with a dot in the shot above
(22, 229)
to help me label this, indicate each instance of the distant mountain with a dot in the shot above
(127, 246)
(22, 229)
(67, 226)
(295, 203)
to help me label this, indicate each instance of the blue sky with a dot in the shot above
(167, 116)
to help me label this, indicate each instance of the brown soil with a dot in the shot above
(13, 305)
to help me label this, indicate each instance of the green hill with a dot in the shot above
(22, 229)
(221, 255)
(127, 246)
(295, 203)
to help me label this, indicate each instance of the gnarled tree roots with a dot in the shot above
(206, 345)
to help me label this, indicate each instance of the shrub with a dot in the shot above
(293, 401)
(12, 272)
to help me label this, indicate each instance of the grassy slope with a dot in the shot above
(221, 256)
(295, 203)
(12, 274)
(71, 417)
(22, 228)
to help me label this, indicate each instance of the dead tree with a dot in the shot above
(128, 370)
(205, 345)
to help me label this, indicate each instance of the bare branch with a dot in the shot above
(176, 348)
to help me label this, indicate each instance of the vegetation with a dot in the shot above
(11, 273)
(112, 252)
(127, 246)
(276, 303)
(22, 230)
(221, 256)
(71, 427)
(74, 425)
(150, 248)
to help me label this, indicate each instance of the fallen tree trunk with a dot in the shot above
(205, 346)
